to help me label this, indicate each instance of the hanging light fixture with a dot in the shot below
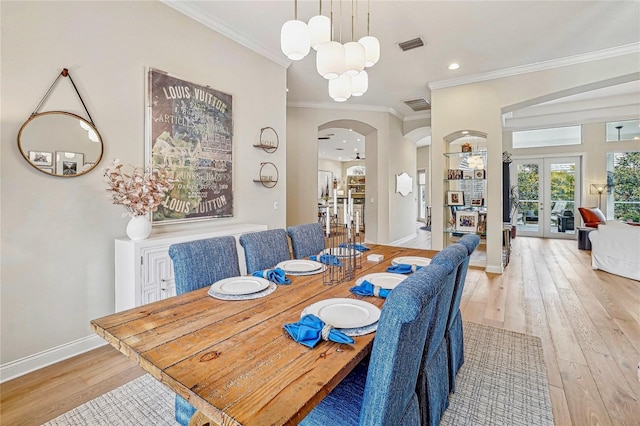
(330, 60)
(343, 65)
(319, 29)
(359, 83)
(371, 44)
(354, 54)
(295, 40)
(330, 56)
(340, 88)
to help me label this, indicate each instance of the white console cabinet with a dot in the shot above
(144, 271)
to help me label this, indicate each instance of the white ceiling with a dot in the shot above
(487, 38)
(342, 145)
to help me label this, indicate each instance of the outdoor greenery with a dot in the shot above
(626, 186)
(562, 187)
(624, 179)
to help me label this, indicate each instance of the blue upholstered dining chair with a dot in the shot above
(453, 335)
(433, 381)
(265, 249)
(383, 391)
(306, 239)
(198, 264)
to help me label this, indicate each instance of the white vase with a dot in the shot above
(138, 228)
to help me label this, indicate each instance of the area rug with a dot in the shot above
(143, 401)
(425, 228)
(502, 382)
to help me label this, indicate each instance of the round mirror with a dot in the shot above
(60, 143)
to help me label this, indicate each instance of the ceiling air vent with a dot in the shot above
(420, 104)
(411, 44)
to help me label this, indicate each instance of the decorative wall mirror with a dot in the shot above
(404, 184)
(60, 143)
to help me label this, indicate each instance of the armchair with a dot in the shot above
(556, 211)
(615, 248)
(530, 216)
(592, 216)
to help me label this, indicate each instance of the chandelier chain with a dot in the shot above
(368, 15)
(352, 22)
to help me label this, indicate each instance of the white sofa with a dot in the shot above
(615, 248)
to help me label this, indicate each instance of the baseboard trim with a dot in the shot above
(404, 239)
(34, 362)
(494, 269)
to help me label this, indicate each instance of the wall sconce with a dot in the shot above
(598, 188)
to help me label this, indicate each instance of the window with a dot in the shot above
(623, 130)
(623, 176)
(556, 136)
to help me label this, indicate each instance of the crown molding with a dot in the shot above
(188, 9)
(341, 106)
(538, 66)
(420, 116)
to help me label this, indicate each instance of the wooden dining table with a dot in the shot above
(232, 360)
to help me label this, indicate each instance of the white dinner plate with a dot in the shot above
(345, 313)
(411, 260)
(386, 280)
(240, 285)
(299, 266)
(341, 252)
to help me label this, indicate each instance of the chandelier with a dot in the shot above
(342, 64)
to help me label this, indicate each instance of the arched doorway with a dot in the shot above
(343, 169)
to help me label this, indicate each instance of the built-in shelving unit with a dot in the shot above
(357, 185)
(465, 184)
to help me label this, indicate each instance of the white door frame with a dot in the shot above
(545, 228)
(422, 217)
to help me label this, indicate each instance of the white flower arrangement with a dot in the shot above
(140, 191)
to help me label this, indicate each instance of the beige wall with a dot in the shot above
(57, 234)
(387, 153)
(478, 106)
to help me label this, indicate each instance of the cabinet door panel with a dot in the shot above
(157, 274)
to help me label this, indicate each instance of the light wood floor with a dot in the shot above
(589, 323)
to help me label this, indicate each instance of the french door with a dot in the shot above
(548, 190)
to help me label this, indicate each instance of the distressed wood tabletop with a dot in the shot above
(232, 360)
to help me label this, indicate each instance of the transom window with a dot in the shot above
(556, 136)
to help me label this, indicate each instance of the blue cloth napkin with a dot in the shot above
(358, 247)
(311, 329)
(276, 275)
(365, 288)
(402, 268)
(327, 259)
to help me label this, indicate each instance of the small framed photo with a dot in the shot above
(477, 202)
(455, 198)
(41, 158)
(467, 174)
(479, 174)
(69, 163)
(466, 221)
(482, 223)
(451, 174)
